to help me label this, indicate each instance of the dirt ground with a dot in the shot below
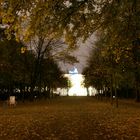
(70, 118)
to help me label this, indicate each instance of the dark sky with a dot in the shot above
(82, 54)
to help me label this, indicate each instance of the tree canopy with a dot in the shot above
(117, 40)
(115, 22)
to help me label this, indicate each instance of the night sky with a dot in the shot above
(82, 54)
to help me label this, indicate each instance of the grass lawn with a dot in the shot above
(70, 118)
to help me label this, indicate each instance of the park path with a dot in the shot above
(70, 118)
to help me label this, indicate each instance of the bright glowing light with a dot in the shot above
(77, 88)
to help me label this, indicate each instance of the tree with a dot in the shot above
(51, 76)
(11, 68)
(74, 19)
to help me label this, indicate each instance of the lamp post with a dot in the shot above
(68, 85)
(23, 51)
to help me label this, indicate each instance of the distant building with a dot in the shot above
(77, 83)
(77, 87)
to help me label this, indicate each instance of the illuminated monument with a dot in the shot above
(77, 83)
(74, 71)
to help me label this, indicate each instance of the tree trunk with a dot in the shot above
(116, 96)
(111, 90)
(87, 91)
(115, 89)
(137, 92)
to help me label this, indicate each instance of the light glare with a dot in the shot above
(77, 88)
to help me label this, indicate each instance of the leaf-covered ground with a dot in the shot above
(70, 118)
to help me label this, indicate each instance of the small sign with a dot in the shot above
(12, 101)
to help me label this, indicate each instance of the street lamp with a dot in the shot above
(23, 51)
